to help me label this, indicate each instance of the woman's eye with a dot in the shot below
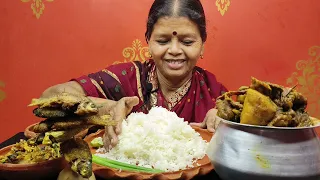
(187, 42)
(162, 42)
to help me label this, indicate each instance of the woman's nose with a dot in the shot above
(174, 48)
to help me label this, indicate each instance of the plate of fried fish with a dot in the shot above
(57, 138)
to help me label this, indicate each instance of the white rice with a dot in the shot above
(159, 139)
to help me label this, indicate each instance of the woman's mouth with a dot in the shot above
(175, 64)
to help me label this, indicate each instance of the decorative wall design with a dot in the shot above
(37, 6)
(223, 6)
(307, 77)
(135, 53)
(2, 93)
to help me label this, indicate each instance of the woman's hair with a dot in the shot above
(191, 9)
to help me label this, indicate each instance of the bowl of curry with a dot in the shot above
(265, 132)
(26, 161)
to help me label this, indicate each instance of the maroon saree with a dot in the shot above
(191, 101)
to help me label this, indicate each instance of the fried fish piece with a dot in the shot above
(104, 120)
(82, 121)
(73, 122)
(43, 126)
(77, 152)
(61, 136)
(80, 105)
(49, 112)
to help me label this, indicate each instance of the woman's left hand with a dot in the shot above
(210, 121)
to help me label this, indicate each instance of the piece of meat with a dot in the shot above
(276, 91)
(260, 86)
(224, 110)
(73, 122)
(303, 120)
(283, 119)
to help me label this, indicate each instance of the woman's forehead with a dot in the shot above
(175, 25)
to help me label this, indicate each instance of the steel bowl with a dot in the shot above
(240, 151)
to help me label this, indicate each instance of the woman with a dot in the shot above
(176, 33)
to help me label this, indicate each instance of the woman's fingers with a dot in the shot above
(118, 128)
(211, 123)
(106, 140)
(201, 125)
(112, 136)
(130, 102)
(216, 123)
(121, 109)
(211, 120)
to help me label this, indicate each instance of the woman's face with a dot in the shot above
(175, 45)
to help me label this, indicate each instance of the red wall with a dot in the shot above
(270, 40)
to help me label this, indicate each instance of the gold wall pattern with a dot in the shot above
(134, 53)
(2, 93)
(307, 77)
(37, 6)
(223, 6)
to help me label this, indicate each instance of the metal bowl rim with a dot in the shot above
(266, 127)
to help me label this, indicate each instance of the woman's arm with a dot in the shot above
(71, 87)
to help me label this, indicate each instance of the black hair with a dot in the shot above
(191, 9)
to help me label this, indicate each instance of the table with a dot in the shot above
(16, 138)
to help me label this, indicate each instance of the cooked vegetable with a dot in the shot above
(25, 152)
(257, 109)
(97, 142)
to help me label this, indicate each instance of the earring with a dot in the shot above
(150, 55)
(201, 56)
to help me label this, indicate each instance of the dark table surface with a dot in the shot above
(16, 138)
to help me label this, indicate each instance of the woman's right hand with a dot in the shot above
(118, 113)
(210, 122)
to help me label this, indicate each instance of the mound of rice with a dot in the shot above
(159, 139)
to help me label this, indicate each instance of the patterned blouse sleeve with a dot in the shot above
(113, 82)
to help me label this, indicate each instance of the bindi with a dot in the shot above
(174, 33)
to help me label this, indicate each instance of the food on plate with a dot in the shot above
(68, 174)
(77, 151)
(67, 115)
(27, 152)
(96, 142)
(70, 103)
(59, 136)
(159, 140)
(265, 104)
(72, 122)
